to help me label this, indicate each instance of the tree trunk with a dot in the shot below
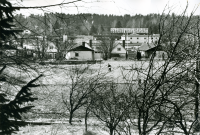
(111, 131)
(86, 117)
(197, 101)
(196, 111)
(70, 118)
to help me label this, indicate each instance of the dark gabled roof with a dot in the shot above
(7, 47)
(145, 46)
(81, 48)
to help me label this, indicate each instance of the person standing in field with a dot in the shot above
(163, 56)
(138, 55)
(109, 67)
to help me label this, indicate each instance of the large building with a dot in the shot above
(134, 41)
(137, 38)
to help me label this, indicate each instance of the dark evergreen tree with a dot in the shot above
(6, 19)
(11, 108)
(93, 30)
(56, 26)
(118, 24)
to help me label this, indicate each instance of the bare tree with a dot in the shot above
(107, 43)
(165, 96)
(110, 105)
(82, 84)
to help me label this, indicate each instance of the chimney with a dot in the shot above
(91, 43)
(123, 43)
(83, 44)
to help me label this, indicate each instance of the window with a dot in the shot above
(118, 49)
(76, 54)
(51, 47)
(144, 38)
(137, 38)
(131, 38)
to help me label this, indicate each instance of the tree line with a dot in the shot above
(84, 24)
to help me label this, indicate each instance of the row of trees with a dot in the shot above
(84, 24)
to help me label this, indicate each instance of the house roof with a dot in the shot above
(145, 46)
(121, 52)
(121, 45)
(81, 48)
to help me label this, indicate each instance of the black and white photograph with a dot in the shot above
(99, 67)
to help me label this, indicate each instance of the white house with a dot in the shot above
(51, 50)
(119, 50)
(80, 52)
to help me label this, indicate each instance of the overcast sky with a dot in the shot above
(115, 7)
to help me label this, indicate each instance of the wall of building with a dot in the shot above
(97, 56)
(140, 38)
(82, 55)
(117, 51)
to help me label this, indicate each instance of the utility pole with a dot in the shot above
(44, 38)
(38, 49)
(126, 48)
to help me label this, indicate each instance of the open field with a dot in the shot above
(53, 83)
(58, 74)
(64, 128)
(56, 81)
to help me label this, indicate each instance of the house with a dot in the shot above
(51, 50)
(119, 50)
(147, 50)
(98, 54)
(80, 52)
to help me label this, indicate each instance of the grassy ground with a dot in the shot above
(62, 129)
(55, 79)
